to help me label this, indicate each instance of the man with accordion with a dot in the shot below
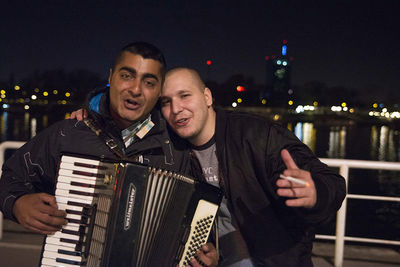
(123, 125)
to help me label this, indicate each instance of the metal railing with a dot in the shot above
(344, 166)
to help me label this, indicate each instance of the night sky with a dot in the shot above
(339, 43)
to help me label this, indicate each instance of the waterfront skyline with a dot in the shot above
(338, 43)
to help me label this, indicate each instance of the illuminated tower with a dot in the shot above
(278, 69)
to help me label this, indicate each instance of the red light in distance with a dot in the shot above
(208, 62)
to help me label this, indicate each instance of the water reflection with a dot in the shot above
(384, 143)
(337, 142)
(306, 133)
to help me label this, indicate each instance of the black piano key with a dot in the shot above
(91, 166)
(68, 252)
(76, 192)
(89, 174)
(70, 262)
(74, 203)
(71, 232)
(66, 240)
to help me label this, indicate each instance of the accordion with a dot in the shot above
(126, 214)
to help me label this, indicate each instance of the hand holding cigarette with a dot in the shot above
(296, 184)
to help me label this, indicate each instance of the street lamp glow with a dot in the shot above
(234, 104)
(239, 100)
(67, 94)
(26, 107)
(264, 101)
(17, 88)
(290, 102)
(33, 97)
(45, 93)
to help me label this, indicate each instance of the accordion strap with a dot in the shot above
(109, 141)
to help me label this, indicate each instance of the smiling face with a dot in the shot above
(187, 106)
(135, 84)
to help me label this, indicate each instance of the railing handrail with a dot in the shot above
(344, 166)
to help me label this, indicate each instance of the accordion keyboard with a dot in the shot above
(84, 190)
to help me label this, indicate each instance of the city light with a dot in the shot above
(284, 63)
(284, 48)
(279, 62)
(290, 102)
(240, 88)
(375, 105)
(234, 104)
(3, 92)
(264, 101)
(33, 97)
(344, 104)
(67, 94)
(17, 88)
(239, 100)
(26, 107)
(315, 103)
(45, 93)
(36, 90)
(55, 92)
(6, 106)
(208, 62)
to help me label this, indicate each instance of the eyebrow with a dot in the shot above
(134, 71)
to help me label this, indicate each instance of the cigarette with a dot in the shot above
(294, 180)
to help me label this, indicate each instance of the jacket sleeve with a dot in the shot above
(31, 169)
(330, 186)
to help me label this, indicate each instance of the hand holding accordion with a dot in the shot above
(125, 214)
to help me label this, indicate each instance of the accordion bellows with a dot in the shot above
(126, 214)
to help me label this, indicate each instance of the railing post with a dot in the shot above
(341, 223)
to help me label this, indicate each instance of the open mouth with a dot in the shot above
(181, 122)
(131, 104)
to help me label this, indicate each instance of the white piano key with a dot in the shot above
(69, 180)
(80, 160)
(65, 199)
(55, 248)
(66, 193)
(55, 255)
(56, 241)
(74, 216)
(62, 206)
(75, 187)
(53, 262)
(70, 173)
(64, 235)
(72, 226)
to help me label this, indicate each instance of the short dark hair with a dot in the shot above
(145, 50)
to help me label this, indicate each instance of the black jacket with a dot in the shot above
(33, 167)
(248, 151)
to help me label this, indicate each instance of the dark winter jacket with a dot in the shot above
(33, 167)
(248, 151)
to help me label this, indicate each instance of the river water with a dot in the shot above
(372, 219)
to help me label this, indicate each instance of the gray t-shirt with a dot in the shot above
(233, 249)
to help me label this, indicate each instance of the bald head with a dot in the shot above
(189, 74)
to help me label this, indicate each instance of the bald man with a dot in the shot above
(264, 220)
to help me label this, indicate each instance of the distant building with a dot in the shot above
(278, 71)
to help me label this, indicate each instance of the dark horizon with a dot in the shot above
(353, 45)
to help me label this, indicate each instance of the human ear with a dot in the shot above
(208, 97)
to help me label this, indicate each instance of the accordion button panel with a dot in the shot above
(202, 222)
